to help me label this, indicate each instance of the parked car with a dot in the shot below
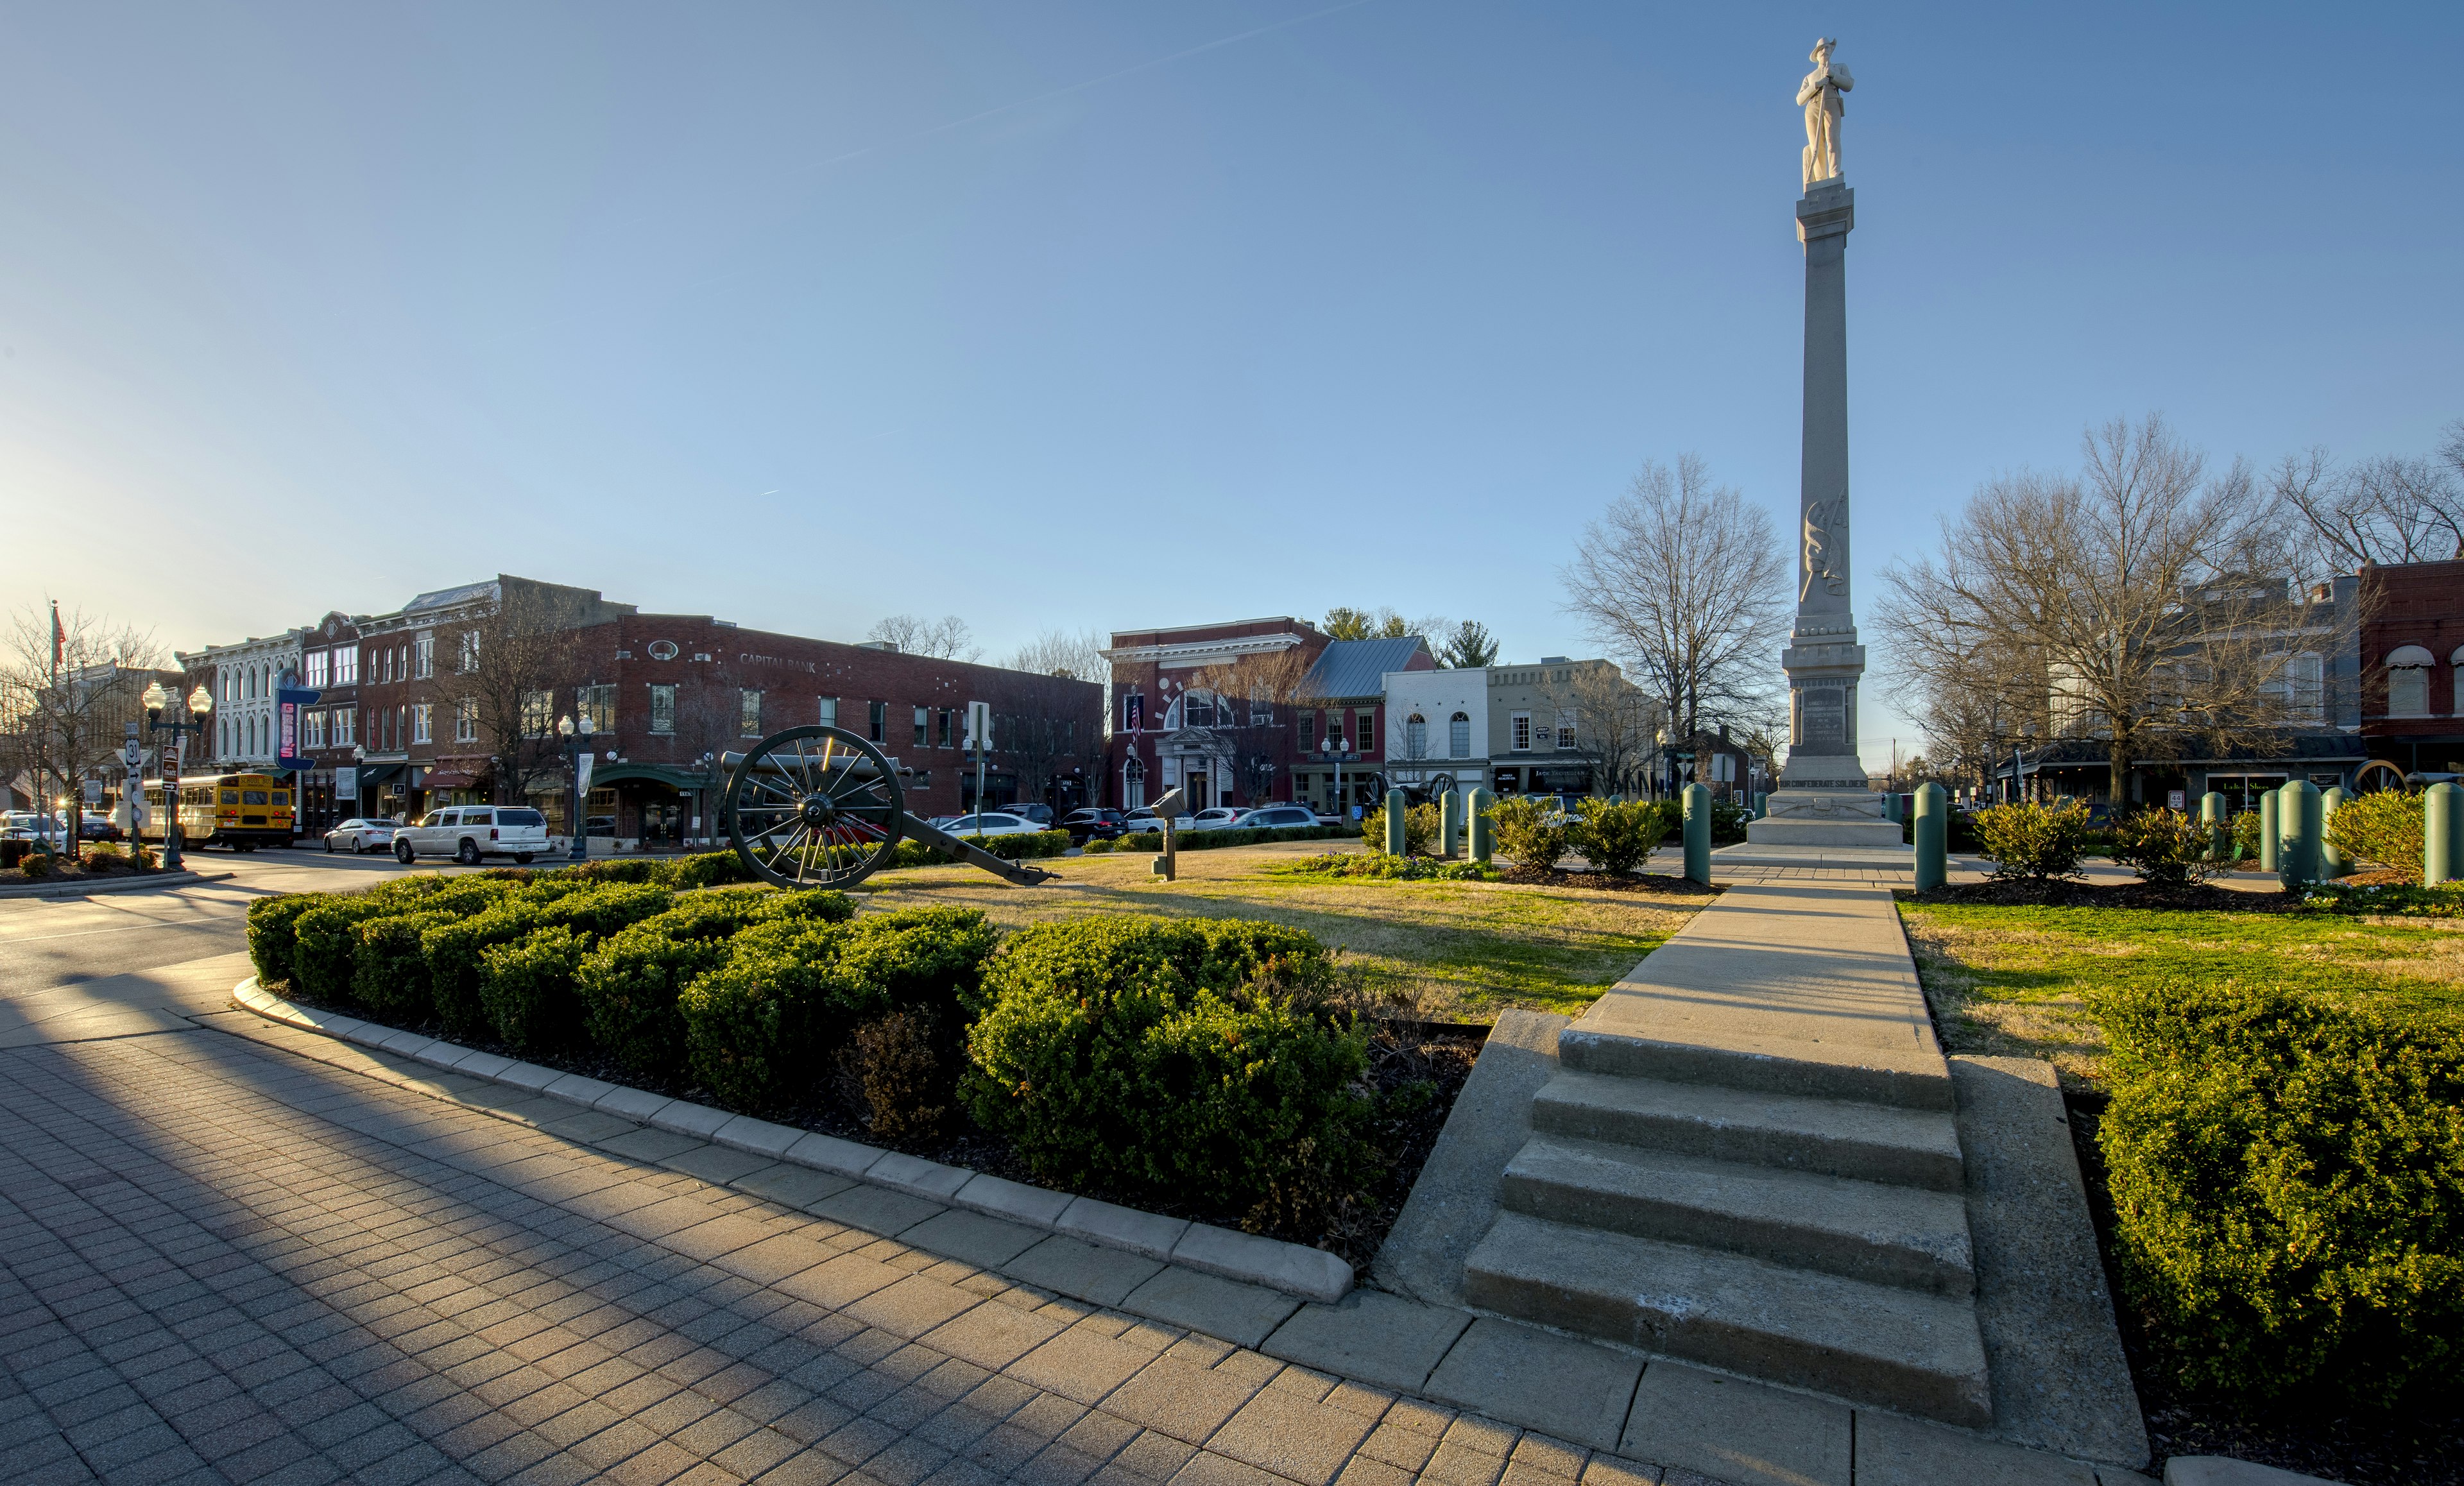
(1218, 818)
(992, 824)
(470, 834)
(1143, 819)
(1278, 817)
(94, 825)
(28, 826)
(1095, 823)
(362, 835)
(599, 825)
(1040, 814)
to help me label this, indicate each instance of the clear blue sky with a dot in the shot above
(1121, 315)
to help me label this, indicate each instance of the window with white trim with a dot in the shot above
(313, 727)
(314, 667)
(2408, 691)
(663, 711)
(1459, 736)
(426, 665)
(748, 712)
(346, 666)
(1519, 732)
(423, 722)
(466, 721)
(346, 726)
(1566, 729)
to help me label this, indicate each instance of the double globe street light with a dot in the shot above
(191, 720)
(576, 743)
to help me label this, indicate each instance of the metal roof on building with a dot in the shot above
(1358, 668)
(444, 598)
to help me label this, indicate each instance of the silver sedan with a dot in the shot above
(356, 835)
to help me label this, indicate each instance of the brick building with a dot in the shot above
(453, 698)
(2412, 666)
(1242, 713)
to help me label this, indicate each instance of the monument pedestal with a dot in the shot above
(1824, 818)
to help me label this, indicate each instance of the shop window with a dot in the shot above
(2407, 691)
(1519, 732)
(663, 711)
(1459, 736)
(598, 703)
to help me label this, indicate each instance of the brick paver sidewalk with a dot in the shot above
(218, 1261)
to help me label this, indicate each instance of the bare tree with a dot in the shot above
(1975, 691)
(68, 683)
(496, 685)
(1078, 655)
(1040, 723)
(1614, 722)
(1253, 701)
(2148, 596)
(946, 638)
(2385, 510)
(1682, 583)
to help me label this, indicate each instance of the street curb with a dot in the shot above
(82, 889)
(1291, 1268)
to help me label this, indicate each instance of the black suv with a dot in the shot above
(1092, 821)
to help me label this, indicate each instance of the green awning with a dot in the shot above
(681, 778)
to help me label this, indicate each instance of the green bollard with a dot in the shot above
(2219, 825)
(1934, 837)
(2442, 833)
(1450, 824)
(1762, 804)
(2297, 823)
(2267, 803)
(1697, 833)
(2332, 864)
(1483, 829)
(1397, 806)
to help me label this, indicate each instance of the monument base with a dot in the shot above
(1824, 818)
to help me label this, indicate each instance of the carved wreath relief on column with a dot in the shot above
(1820, 92)
(1823, 519)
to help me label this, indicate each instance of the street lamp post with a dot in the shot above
(577, 742)
(193, 710)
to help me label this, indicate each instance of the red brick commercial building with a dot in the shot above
(2413, 667)
(453, 698)
(1242, 713)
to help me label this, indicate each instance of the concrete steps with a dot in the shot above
(1876, 1142)
(1884, 1234)
(1878, 1343)
(1749, 1158)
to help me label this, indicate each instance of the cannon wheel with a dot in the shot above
(814, 807)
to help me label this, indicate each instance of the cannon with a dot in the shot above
(821, 807)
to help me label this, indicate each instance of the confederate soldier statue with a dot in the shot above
(1820, 92)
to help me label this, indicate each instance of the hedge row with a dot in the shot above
(2288, 1183)
(1147, 1057)
(1010, 848)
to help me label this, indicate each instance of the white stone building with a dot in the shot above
(1437, 729)
(243, 729)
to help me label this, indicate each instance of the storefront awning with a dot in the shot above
(451, 780)
(675, 776)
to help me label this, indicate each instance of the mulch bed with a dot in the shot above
(1352, 1227)
(2421, 1448)
(1660, 882)
(14, 876)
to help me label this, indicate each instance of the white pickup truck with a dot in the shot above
(470, 834)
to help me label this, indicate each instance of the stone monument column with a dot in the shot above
(1823, 798)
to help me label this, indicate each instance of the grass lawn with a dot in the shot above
(2009, 980)
(1470, 950)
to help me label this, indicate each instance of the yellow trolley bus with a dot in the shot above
(241, 811)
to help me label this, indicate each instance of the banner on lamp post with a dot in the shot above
(287, 702)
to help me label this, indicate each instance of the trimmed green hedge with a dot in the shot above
(1167, 1057)
(2288, 1186)
(629, 983)
(1207, 841)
